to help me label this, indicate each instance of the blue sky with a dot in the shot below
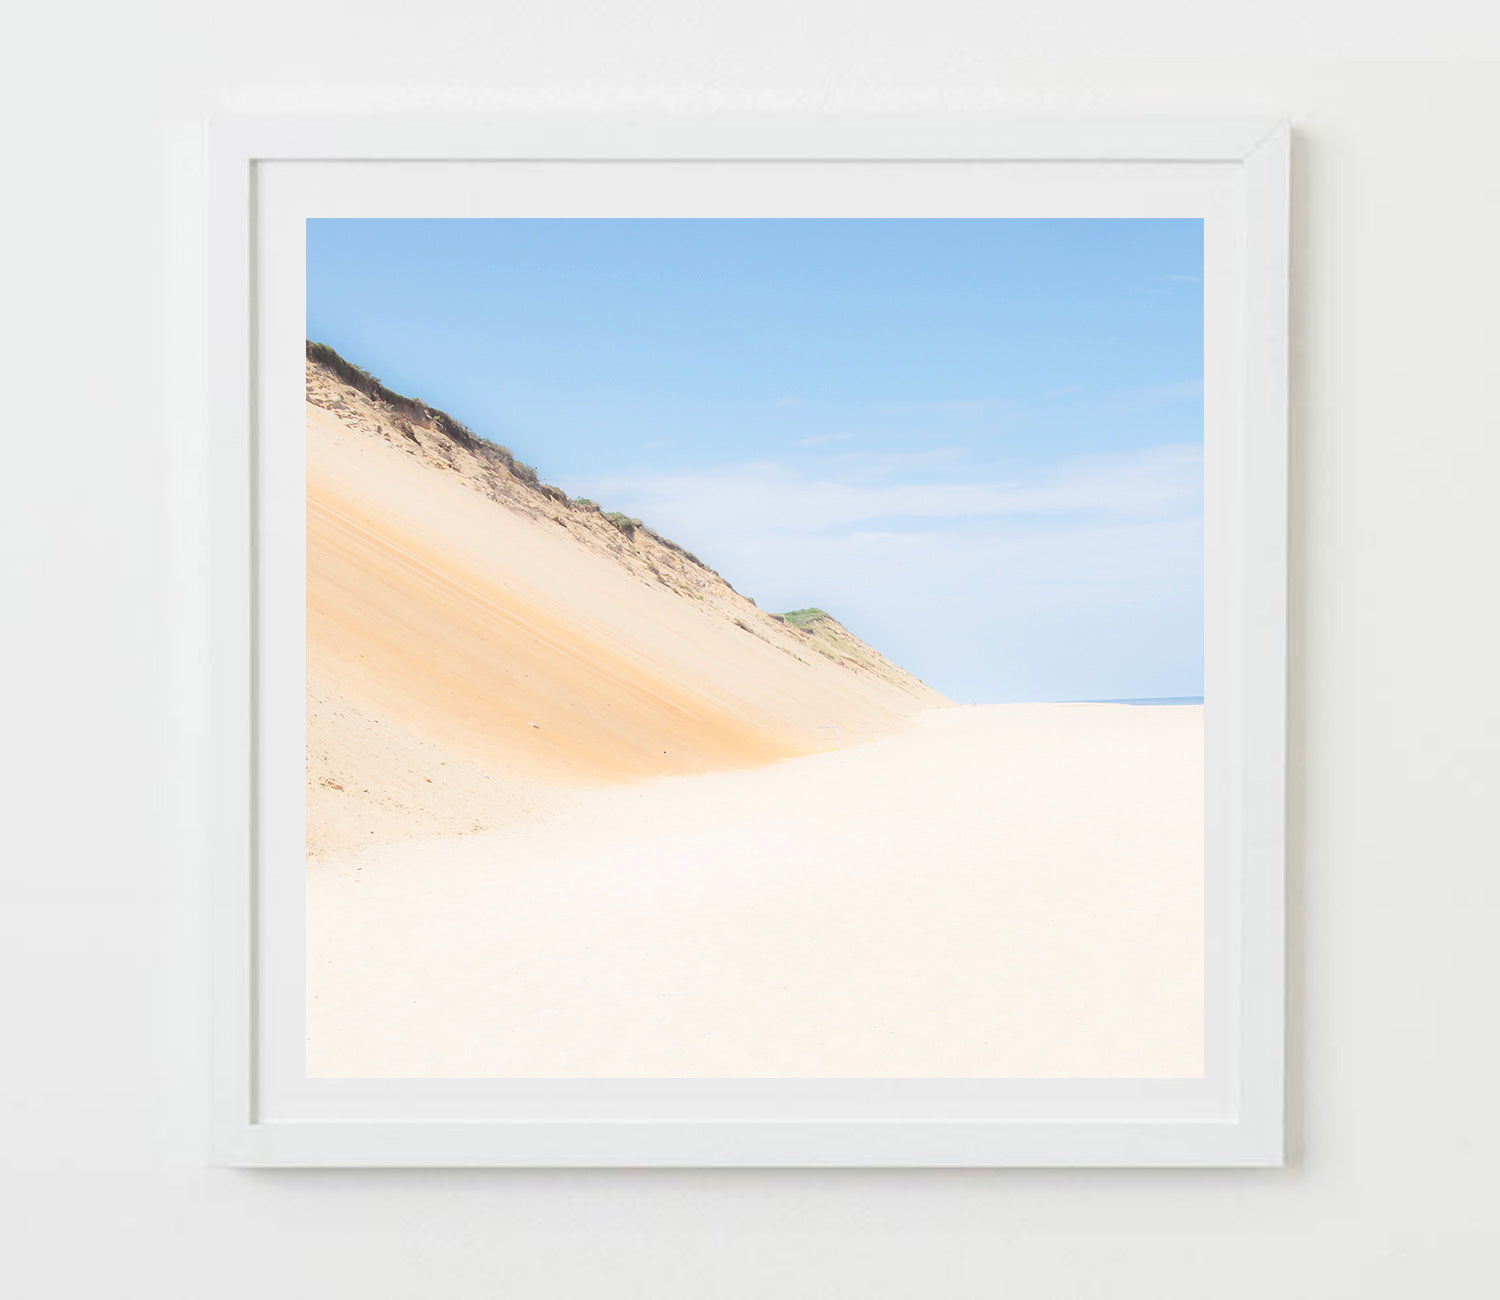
(978, 443)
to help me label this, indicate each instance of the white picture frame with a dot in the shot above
(265, 1118)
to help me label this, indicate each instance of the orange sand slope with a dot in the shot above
(466, 627)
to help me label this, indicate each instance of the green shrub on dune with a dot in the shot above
(802, 619)
(624, 523)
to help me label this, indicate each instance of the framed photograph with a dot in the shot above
(748, 641)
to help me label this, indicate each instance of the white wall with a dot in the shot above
(1396, 761)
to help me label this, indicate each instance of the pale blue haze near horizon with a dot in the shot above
(978, 443)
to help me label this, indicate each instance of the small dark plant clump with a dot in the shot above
(664, 541)
(672, 546)
(556, 493)
(624, 523)
(456, 431)
(355, 376)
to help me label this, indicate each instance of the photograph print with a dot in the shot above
(764, 648)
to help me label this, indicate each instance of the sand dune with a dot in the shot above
(1004, 892)
(567, 816)
(464, 627)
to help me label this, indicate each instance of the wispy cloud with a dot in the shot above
(1147, 398)
(775, 496)
(1089, 570)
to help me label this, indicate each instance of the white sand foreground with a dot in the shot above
(1013, 891)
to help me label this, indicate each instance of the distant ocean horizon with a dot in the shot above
(1164, 699)
(1155, 699)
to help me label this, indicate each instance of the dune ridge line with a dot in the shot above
(478, 642)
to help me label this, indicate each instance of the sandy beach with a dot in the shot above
(1013, 891)
(570, 814)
